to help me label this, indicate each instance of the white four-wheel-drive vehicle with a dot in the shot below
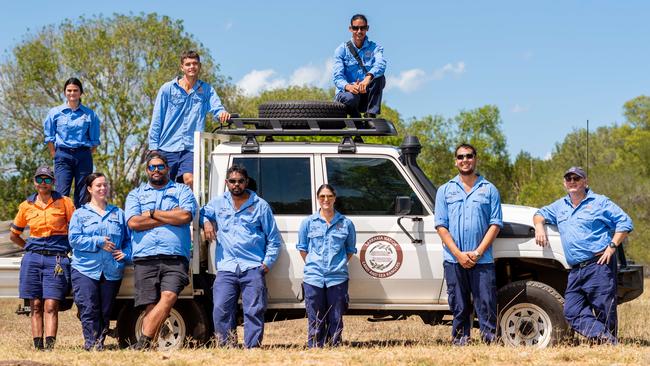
(398, 269)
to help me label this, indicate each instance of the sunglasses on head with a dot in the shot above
(359, 27)
(40, 180)
(236, 181)
(463, 156)
(158, 167)
(573, 178)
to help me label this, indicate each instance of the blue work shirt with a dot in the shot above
(166, 239)
(346, 68)
(327, 247)
(177, 114)
(588, 228)
(86, 233)
(70, 128)
(246, 237)
(468, 216)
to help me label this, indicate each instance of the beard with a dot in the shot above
(158, 182)
(237, 191)
(466, 172)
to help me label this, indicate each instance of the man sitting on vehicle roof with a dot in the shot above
(359, 66)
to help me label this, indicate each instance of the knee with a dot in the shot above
(36, 306)
(348, 98)
(168, 297)
(188, 179)
(51, 307)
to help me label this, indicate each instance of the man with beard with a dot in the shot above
(159, 214)
(248, 243)
(468, 219)
(591, 227)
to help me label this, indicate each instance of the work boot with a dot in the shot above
(49, 343)
(38, 343)
(143, 344)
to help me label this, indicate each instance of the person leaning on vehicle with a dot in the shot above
(45, 267)
(159, 214)
(248, 244)
(359, 66)
(468, 219)
(180, 109)
(586, 221)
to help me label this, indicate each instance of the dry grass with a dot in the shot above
(406, 342)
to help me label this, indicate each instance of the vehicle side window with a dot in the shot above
(285, 183)
(368, 186)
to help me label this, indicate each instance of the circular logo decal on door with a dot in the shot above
(381, 256)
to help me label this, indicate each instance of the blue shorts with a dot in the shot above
(180, 162)
(38, 280)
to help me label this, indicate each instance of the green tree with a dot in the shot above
(637, 112)
(122, 62)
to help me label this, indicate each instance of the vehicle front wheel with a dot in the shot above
(531, 313)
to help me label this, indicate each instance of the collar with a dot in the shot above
(109, 208)
(65, 106)
(55, 196)
(588, 196)
(252, 198)
(317, 217)
(198, 85)
(148, 186)
(365, 44)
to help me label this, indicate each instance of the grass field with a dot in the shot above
(404, 342)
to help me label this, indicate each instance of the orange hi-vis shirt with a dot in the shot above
(48, 226)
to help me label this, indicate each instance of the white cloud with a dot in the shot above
(548, 156)
(457, 69)
(311, 75)
(257, 81)
(407, 81)
(519, 109)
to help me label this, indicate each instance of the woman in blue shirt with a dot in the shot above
(101, 245)
(326, 241)
(72, 136)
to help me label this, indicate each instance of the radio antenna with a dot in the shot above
(587, 158)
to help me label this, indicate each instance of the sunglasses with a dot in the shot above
(236, 181)
(463, 156)
(158, 167)
(323, 197)
(40, 180)
(359, 27)
(573, 178)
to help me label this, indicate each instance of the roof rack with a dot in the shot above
(269, 127)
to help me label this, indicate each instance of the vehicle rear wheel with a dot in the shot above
(531, 314)
(302, 109)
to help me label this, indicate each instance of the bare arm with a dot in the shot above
(51, 148)
(17, 239)
(303, 254)
(487, 241)
(540, 232)
(618, 238)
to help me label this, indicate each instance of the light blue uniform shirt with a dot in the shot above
(86, 232)
(588, 228)
(346, 68)
(166, 239)
(327, 248)
(246, 237)
(71, 128)
(177, 114)
(468, 216)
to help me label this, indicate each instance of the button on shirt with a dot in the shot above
(48, 226)
(346, 68)
(468, 216)
(246, 237)
(177, 114)
(71, 128)
(87, 232)
(166, 239)
(327, 249)
(588, 228)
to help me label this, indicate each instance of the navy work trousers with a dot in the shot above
(370, 102)
(94, 299)
(463, 285)
(590, 301)
(72, 164)
(325, 308)
(225, 292)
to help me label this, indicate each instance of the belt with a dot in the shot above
(49, 253)
(159, 257)
(586, 263)
(73, 149)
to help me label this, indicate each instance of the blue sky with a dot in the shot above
(548, 65)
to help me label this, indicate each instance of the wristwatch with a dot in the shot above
(477, 254)
(151, 212)
(612, 245)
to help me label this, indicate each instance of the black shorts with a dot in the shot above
(156, 274)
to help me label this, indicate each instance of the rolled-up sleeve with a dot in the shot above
(273, 237)
(49, 127)
(132, 205)
(303, 239)
(441, 210)
(548, 213)
(94, 129)
(351, 240)
(186, 200)
(496, 215)
(620, 220)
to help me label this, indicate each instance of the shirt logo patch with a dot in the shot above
(368, 54)
(251, 209)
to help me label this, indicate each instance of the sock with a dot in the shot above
(49, 342)
(38, 342)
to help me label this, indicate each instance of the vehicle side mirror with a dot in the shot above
(402, 205)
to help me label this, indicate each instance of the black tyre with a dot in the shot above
(531, 313)
(187, 324)
(302, 109)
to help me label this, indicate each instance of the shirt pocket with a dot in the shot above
(316, 238)
(115, 231)
(338, 241)
(585, 220)
(482, 203)
(59, 222)
(224, 221)
(454, 205)
(169, 202)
